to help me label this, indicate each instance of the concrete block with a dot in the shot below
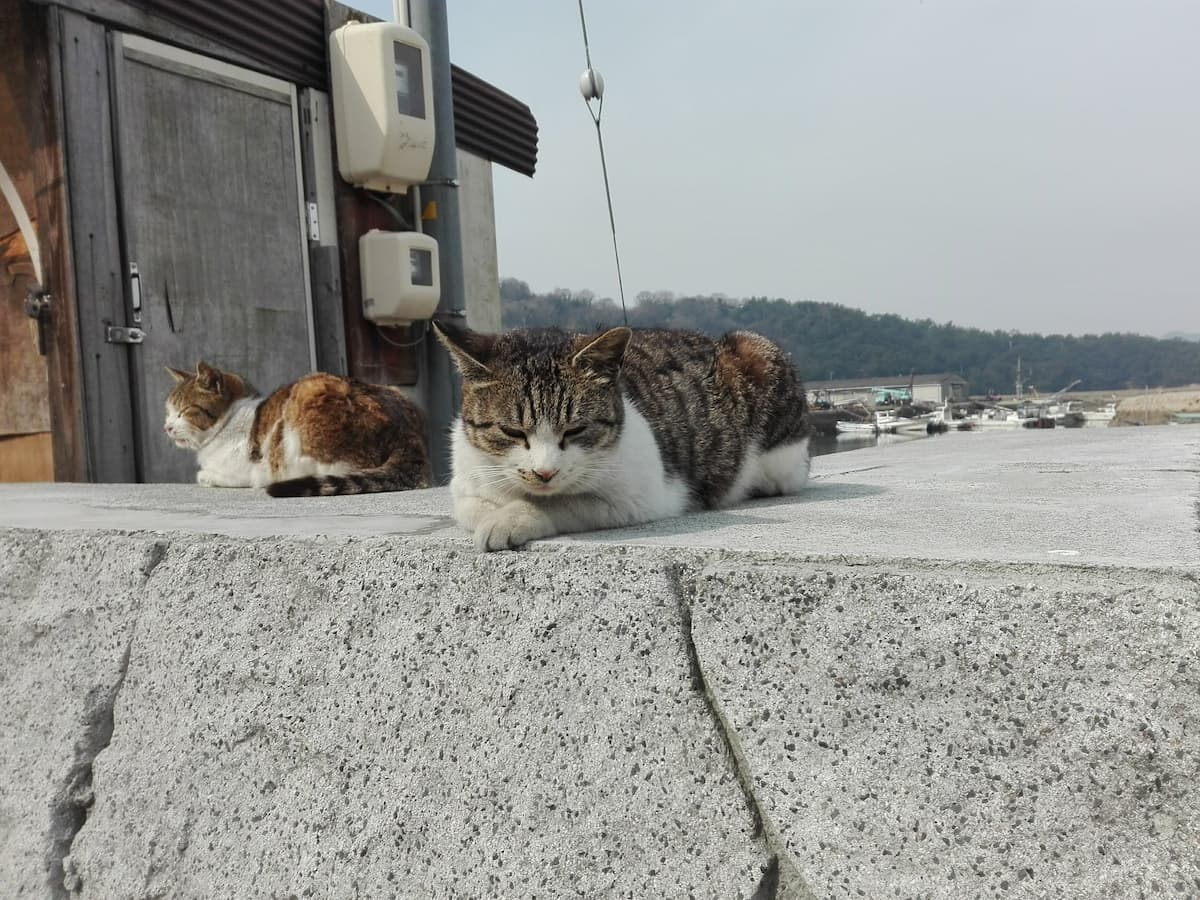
(67, 614)
(956, 668)
(355, 720)
(940, 733)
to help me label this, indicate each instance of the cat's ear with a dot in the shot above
(602, 356)
(469, 349)
(208, 377)
(179, 375)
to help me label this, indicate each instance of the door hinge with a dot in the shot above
(314, 224)
(119, 334)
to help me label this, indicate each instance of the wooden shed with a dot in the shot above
(171, 194)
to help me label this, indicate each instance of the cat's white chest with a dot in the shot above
(638, 480)
(225, 459)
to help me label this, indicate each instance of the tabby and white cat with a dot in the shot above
(319, 435)
(562, 432)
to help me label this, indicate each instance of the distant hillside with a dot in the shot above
(831, 341)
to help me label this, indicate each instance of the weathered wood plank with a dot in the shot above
(24, 401)
(27, 457)
(99, 281)
(24, 404)
(43, 117)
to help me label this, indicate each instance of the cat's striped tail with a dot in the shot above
(400, 473)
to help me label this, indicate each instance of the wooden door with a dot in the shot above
(214, 236)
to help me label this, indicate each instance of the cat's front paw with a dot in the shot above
(512, 526)
(208, 479)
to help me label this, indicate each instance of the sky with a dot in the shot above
(1016, 164)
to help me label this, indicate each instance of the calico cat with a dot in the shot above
(319, 435)
(565, 432)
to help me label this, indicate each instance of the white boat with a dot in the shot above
(1104, 416)
(1012, 422)
(857, 428)
(888, 422)
(994, 417)
(919, 425)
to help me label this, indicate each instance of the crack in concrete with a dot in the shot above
(782, 877)
(70, 810)
(768, 887)
(156, 554)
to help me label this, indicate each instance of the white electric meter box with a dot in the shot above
(382, 105)
(400, 281)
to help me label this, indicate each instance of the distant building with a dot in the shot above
(938, 389)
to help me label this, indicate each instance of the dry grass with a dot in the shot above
(1156, 407)
(1134, 407)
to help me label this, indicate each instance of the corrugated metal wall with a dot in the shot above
(492, 124)
(288, 38)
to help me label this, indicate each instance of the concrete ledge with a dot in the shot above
(960, 667)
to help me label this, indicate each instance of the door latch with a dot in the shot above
(37, 306)
(129, 334)
(119, 334)
(135, 293)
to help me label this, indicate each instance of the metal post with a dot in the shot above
(442, 389)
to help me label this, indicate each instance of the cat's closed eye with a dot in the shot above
(571, 433)
(517, 434)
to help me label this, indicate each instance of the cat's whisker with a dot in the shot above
(498, 483)
(590, 478)
(493, 477)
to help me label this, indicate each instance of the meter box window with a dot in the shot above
(382, 105)
(410, 78)
(420, 263)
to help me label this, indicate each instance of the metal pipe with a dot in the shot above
(442, 387)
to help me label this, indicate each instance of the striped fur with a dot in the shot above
(567, 432)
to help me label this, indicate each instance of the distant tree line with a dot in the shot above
(829, 341)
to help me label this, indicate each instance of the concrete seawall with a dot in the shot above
(962, 667)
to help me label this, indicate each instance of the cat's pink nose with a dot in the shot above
(167, 429)
(545, 474)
